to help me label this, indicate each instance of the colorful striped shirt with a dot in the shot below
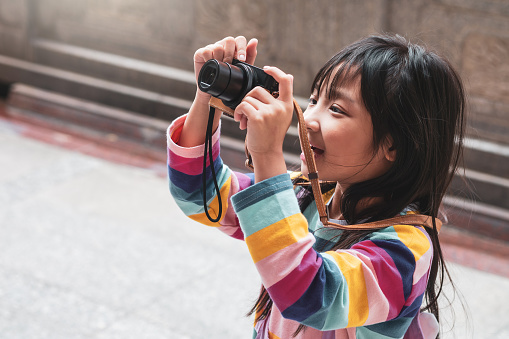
(374, 289)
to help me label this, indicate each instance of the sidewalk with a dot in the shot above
(91, 248)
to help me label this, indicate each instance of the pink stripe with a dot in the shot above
(391, 284)
(189, 152)
(377, 301)
(188, 165)
(244, 180)
(417, 289)
(328, 335)
(288, 290)
(230, 223)
(423, 264)
(238, 234)
(278, 265)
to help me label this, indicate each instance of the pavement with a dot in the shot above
(93, 246)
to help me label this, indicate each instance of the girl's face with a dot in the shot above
(340, 132)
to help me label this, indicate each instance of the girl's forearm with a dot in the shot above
(193, 131)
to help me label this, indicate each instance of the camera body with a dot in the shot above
(231, 82)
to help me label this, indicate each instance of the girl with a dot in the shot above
(385, 122)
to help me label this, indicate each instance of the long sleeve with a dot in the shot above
(185, 167)
(378, 283)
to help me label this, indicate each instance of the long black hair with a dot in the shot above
(417, 101)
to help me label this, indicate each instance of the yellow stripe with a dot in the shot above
(277, 236)
(325, 196)
(414, 239)
(273, 336)
(358, 307)
(295, 175)
(214, 207)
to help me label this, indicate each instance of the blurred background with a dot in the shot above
(116, 72)
(136, 56)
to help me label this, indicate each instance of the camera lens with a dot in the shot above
(214, 77)
(222, 80)
(209, 75)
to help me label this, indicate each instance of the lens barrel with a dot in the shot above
(222, 80)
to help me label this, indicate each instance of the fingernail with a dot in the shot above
(242, 57)
(265, 67)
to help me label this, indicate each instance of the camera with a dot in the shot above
(231, 82)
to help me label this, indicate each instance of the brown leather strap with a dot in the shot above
(218, 103)
(310, 162)
(408, 219)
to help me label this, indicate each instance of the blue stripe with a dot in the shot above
(413, 309)
(310, 302)
(251, 176)
(395, 328)
(191, 183)
(328, 297)
(260, 191)
(403, 259)
(189, 203)
(268, 211)
(196, 197)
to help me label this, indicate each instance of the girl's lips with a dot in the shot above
(316, 151)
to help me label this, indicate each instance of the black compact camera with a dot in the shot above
(231, 82)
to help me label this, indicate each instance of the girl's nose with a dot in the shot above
(312, 124)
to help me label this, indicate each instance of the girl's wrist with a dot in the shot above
(193, 131)
(201, 98)
(268, 165)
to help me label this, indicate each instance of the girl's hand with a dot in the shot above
(193, 132)
(267, 120)
(225, 50)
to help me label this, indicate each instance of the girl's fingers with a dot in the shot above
(243, 123)
(251, 51)
(255, 99)
(241, 45)
(285, 82)
(203, 54)
(237, 115)
(242, 112)
(229, 49)
(219, 52)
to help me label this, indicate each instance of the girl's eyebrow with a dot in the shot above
(338, 93)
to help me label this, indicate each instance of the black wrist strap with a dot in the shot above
(208, 147)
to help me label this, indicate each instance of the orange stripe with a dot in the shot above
(214, 206)
(358, 307)
(277, 236)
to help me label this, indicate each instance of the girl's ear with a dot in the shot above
(389, 149)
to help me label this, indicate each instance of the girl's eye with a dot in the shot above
(337, 109)
(312, 101)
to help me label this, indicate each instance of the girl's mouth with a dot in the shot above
(317, 150)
